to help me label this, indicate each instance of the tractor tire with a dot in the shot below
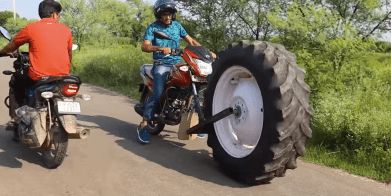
(264, 84)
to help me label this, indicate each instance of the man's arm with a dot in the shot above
(21, 38)
(70, 45)
(70, 55)
(147, 47)
(9, 48)
(191, 41)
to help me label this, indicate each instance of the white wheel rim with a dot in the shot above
(238, 134)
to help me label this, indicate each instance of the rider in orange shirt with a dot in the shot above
(50, 50)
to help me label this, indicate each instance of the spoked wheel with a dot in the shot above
(55, 152)
(153, 127)
(266, 87)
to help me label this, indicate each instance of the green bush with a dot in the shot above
(116, 68)
(352, 121)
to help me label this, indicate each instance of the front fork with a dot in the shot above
(197, 104)
(201, 119)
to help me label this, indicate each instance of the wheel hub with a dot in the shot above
(240, 133)
(241, 108)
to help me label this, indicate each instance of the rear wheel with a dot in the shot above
(153, 127)
(264, 84)
(55, 152)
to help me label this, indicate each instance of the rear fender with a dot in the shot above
(68, 122)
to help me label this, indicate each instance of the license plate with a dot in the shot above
(68, 107)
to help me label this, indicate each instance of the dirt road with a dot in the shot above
(112, 161)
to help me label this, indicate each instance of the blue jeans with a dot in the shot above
(160, 74)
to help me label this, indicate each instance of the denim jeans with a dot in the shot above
(160, 74)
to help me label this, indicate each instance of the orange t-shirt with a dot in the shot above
(49, 46)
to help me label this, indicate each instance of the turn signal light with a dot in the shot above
(70, 90)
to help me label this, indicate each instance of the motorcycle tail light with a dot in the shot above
(70, 90)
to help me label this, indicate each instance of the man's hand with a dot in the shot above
(213, 55)
(165, 50)
(9, 49)
(6, 54)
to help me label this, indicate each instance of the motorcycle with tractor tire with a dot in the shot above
(255, 109)
(46, 115)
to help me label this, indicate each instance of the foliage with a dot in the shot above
(353, 122)
(116, 68)
(366, 16)
(15, 25)
(209, 23)
(144, 16)
(77, 15)
(110, 21)
(383, 46)
(4, 15)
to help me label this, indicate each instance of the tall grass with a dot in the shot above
(351, 124)
(116, 68)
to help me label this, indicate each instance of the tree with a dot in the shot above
(76, 14)
(251, 17)
(109, 21)
(209, 23)
(4, 15)
(366, 16)
(15, 25)
(143, 15)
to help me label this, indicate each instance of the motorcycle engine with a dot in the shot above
(176, 99)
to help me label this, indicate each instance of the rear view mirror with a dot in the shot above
(5, 33)
(161, 35)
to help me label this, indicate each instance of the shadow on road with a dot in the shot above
(169, 154)
(12, 151)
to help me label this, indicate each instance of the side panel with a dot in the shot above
(180, 78)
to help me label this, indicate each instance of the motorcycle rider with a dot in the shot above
(164, 11)
(50, 51)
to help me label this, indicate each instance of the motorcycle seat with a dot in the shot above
(51, 79)
(147, 70)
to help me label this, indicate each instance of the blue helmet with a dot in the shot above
(162, 6)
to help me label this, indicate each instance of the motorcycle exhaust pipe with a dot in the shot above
(81, 133)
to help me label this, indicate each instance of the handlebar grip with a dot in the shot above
(176, 51)
(7, 72)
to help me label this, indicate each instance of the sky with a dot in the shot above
(29, 9)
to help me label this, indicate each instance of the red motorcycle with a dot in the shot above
(256, 110)
(181, 95)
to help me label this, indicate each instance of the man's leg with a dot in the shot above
(18, 85)
(159, 80)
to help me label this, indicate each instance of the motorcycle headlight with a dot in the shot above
(205, 68)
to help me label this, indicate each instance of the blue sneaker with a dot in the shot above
(143, 134)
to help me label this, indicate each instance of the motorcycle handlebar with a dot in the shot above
(174, 52)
